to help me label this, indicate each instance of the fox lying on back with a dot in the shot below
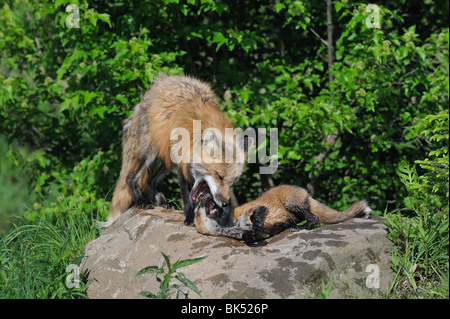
(276, 210)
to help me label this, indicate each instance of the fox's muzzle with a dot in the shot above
(221, 201)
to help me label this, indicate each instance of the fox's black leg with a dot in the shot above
(132, 180)
(187, 200)
(301, 213)
(160, 199)
(257, 218)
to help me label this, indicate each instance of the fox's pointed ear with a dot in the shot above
(248, 143)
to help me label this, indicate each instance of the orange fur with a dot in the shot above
(171, 102)
(282, 207)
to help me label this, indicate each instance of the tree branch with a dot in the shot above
(330, 37)
(318, 36)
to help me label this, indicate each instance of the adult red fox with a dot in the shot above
(277, 209)
(175, 104)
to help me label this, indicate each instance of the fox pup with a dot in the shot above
(174, 102)
(277, 209)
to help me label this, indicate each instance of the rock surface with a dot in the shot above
(355, 255)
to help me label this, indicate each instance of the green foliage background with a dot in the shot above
(343, 128)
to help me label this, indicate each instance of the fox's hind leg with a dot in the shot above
(302, 212)
(157, 174)
(136, 185)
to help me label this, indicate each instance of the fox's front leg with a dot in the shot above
(188, 210)
(256, 233)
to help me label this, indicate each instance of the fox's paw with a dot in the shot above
(188, 221)
(249, 238)
(189, 214)
(311, 221)
(145, 206)
(168, 206)
(297, 228)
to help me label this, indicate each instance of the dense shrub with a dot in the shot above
(422, 241)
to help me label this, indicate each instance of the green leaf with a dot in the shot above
(64, 67)
(148, 294)
(187, 262)
(181, 277)
(88, 96)
(163, 288)
(167, 262)
(338, 5)
(279, 7)
(377, 53)
(245, 94)
(308, 83)
(220, 39)
(70, 103)
(150, 270)
(105, 18)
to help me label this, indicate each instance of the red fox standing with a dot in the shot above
(277, 209)
(173, 102)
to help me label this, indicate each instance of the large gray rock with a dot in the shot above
(354, 255)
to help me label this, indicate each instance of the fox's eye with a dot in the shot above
(220, 177)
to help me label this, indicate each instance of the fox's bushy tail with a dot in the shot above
(120, 203)
(328, 215)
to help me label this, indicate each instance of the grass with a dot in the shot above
(35, 255)
(420, 256)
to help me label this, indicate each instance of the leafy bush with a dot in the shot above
(70, 89)
(422, 241)
(435, 181)
(75, 189)
(344, 138)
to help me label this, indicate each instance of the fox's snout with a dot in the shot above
(221, 200)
